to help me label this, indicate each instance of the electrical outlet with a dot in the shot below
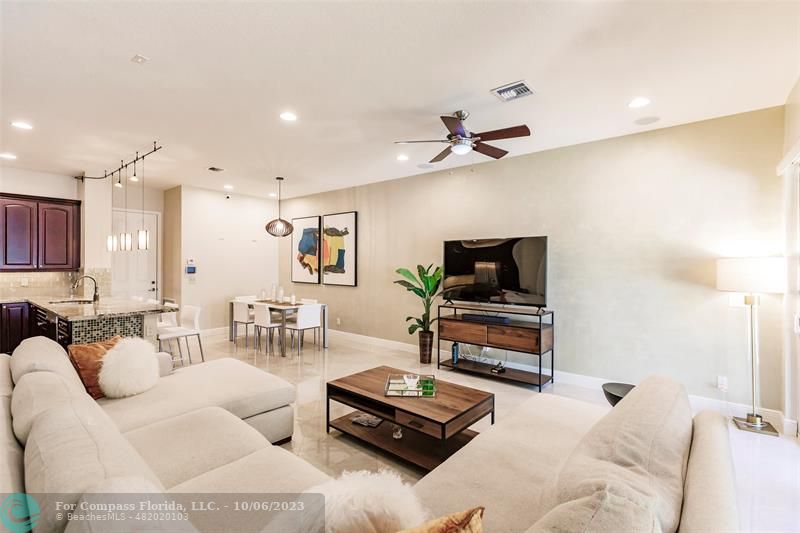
(338, 321)
(797, 324)
(24, 282)
(722, 383)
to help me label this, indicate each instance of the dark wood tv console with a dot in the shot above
(527, 331)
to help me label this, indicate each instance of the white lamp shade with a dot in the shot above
(752, 275)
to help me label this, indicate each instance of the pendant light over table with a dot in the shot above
(279, 227)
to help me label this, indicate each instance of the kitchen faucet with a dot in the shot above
(96, 297)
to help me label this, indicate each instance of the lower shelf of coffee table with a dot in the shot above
(416, 448)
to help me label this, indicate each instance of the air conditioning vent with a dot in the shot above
(512, 91)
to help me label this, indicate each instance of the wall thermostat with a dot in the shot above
(191, 268)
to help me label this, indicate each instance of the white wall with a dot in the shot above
(233, 253)
(153, 198)
(635, 225)
(20, 181)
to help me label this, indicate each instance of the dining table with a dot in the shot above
(284, 308)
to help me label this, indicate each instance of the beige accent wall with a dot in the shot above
(634, 224)
(171, 278)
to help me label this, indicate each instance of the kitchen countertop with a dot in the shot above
(106, 307)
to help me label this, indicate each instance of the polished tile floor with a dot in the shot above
(767, 469)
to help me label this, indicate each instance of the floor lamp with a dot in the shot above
(752, 276)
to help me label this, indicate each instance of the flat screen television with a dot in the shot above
(500, 271)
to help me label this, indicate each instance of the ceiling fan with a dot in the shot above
(462, 141)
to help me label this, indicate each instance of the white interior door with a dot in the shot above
(135, 273)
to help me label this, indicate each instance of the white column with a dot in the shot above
(95, 196)
(791, 346)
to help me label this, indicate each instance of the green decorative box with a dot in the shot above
(396, 386)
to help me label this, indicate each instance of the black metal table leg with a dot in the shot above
(327, 413)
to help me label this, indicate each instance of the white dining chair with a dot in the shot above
(242, 314)
(189, 327)
(168, 321)
(308, 317)
(263, 323)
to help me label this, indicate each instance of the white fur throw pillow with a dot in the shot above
(129, 368)
(369, 502)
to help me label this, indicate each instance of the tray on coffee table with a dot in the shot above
(396, 386)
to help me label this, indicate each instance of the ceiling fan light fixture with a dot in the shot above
(462, 147)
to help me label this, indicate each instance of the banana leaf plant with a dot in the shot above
(425, 285)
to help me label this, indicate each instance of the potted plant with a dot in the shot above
(425, 286)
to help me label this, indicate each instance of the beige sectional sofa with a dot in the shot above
(204, 428)
(537, 469)
(207, 428)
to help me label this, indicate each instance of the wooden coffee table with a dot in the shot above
(433, 428)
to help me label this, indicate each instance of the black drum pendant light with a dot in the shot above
(279, 227)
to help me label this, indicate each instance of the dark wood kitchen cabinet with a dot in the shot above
(59, 236)
(19, 233)
(39, 234)
(14, 325)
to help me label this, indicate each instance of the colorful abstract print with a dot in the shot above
(307, 250)
(333, 251)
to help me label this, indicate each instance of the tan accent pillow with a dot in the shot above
(470, 521)
(87, 359)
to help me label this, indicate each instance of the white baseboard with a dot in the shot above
(374, 341)
(774, 417)
(212, 332)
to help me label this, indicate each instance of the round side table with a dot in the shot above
(616, 391)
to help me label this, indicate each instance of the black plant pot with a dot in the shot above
(425, 346)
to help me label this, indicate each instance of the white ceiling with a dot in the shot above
(363, 74)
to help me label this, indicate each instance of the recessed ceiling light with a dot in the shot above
(216, 169)
(273, 195)
(139, 59)
(402, 157)
(6, 155)
(228, 187)
(639, 101)
(288, 116)
(21, 125)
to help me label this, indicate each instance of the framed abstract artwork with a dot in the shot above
(339, 254)
(305, 250)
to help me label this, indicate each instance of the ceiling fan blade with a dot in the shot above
(505, 133)
(488, 149)
(454, 126)
(444, 153)
(414, 142)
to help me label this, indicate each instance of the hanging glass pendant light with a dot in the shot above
(112, 242)
(125, 238)
(279, 227)
(143, 236)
